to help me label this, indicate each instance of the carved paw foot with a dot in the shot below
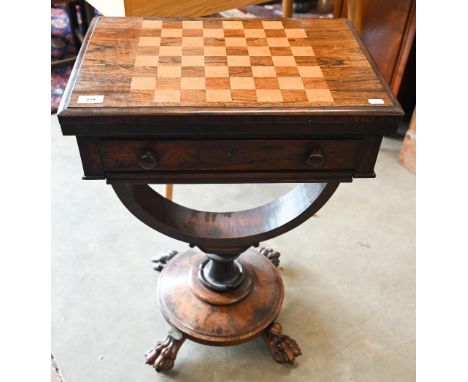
(163, 354)
(271, 255)
(162, 258)
(283, 348)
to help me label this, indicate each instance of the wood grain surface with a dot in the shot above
(229, 64)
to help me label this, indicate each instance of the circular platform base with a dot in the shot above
(220, 318)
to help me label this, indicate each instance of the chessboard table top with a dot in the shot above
(154, 66)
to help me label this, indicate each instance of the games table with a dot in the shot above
(225, 101)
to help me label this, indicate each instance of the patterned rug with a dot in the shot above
(62, 45)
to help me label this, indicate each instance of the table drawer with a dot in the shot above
(227, 155)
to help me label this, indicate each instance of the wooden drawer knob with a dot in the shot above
(148, 160)
(315, 159)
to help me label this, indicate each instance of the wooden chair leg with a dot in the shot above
(169, 191)
(287, 8)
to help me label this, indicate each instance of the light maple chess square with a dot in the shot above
(216, 71)
(218, 95)
(277, 41)
(295, 33)
(238, 61)
(149, 41)
(259, 51)
(310, 71)
(171, 33)
(151, 24)
(233, 24)
(192, 41)
(192, 24)
(267, 95)
(263, 71)
(319, 95)
(146, 60)
(143, 83)
(167, 96)
(242, 83)
(283, 61)
(192, 83)
(214, 51)
(214, 33)
(302, 51)
(169, 71)
(290, 83)
(170, 51)
(254, 33)
(272, 24)
(193, 60)
(235, 41)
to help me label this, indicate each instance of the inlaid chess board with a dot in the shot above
(225, 63)
(219, 62)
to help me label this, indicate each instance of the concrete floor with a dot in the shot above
(349, 277)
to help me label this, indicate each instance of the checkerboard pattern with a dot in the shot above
(235, 63)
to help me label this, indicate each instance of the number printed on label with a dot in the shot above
(91, 99)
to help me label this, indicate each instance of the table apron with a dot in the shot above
(228, 161)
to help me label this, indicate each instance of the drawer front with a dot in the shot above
(228, 155)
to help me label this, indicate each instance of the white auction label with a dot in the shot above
(376, 101)
(91, 99)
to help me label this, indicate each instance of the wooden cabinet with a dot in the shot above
(167, 8)
(388, 29)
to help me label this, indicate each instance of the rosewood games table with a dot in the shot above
(225, 101)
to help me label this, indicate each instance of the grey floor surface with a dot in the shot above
(349, 275)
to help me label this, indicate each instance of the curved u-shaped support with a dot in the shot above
(239, 229)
